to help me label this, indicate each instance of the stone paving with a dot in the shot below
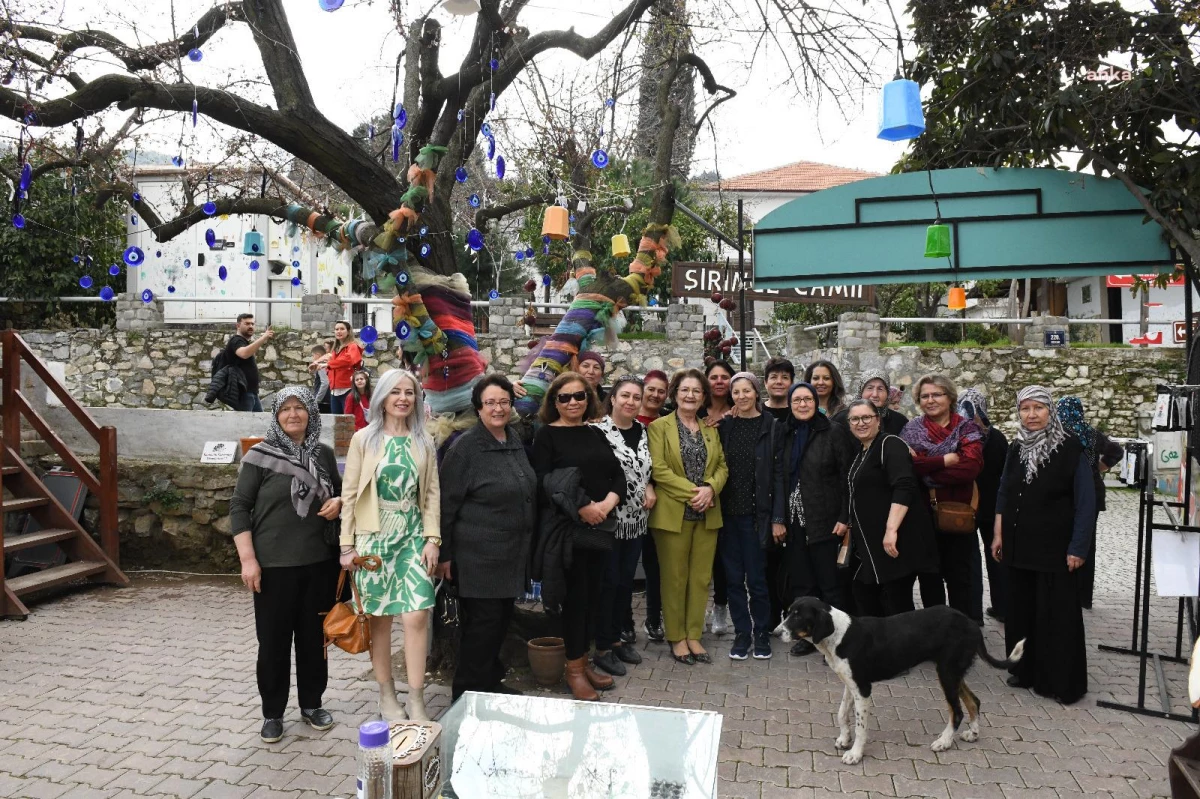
(149, 691)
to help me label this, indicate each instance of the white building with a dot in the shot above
(1110, 298)
(188, 267)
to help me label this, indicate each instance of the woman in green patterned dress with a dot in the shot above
(391, 508)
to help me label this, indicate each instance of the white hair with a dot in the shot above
(373, 432)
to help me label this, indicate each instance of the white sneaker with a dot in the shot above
(720, 619)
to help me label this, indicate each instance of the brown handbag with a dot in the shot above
(345, 625)
(955, 517)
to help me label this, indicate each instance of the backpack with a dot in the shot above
(219, 361)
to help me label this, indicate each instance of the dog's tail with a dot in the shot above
(1014, 657)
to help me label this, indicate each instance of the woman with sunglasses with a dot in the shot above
(581, 483)
(689, 473)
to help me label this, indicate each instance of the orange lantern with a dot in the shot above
(957, 301)
(620, 245)
(556, 223)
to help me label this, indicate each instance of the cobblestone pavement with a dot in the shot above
(149, 691)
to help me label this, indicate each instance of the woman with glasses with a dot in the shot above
(947, 455)
(627, 437)
(581, 486)
(689, 472)
(489, 496)
(811, 498)
(888, 517)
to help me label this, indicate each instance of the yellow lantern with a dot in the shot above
(556, 223)
(620, 245)
(957, 301)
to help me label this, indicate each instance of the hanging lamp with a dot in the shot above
(957, 300)
(937, 240)
(620, 246)
(900, 114)
(556, 223)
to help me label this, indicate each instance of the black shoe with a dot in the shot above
(741, 647)
(762, 647)
(272, 731)
(627, 654)
(654, 630)
(1014, 681)
(319, 719)
(501, 688)
(802, 648)
(628, 637)
(995, 614)
(608, 662)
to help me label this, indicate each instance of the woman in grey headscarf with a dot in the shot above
(875, 388)
(281, 516)
(1042, 532)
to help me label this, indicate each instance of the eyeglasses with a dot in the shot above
(803, 401)
(489, 404)
(578, 396)
(860, 421)
(690, 392)
(932, 395)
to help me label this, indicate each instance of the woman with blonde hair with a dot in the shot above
(391, 508)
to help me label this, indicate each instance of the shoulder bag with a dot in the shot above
(346, 626)
(955, 517)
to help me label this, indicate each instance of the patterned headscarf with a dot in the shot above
(972, 403)
(1070, 413)
(1036, 446)
(875, 374)
(279, 453)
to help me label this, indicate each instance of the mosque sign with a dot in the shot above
(692, 279)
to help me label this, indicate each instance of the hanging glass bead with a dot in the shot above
(222, 272)
(195, 55)
(254, 266)
(400, 115)
(599, 159)
(475, 240)
(114, 270)
(107, 294)
(85, 281)
(147, 296)
(460, 174)
(133, 256)
(473, 200)
(210, 208)
(500, 167)
(18, 221)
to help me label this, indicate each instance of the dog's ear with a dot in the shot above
(821, 626)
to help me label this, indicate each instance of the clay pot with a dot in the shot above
(547, 660)
(249, 442)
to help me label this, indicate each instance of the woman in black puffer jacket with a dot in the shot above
(811, 489)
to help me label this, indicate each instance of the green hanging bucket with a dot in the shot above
(937, 241)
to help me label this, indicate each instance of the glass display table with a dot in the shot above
(529, 746)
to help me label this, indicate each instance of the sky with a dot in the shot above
(349, 57)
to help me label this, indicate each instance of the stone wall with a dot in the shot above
(170, 368)
(1115, 384)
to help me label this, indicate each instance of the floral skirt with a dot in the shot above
(401, 584)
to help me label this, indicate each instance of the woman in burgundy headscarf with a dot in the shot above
(947, 453)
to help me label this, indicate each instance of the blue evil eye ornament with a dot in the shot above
(609, 103)
(369, 349)
(26, 177)
(473, 200)
(75, 259)
(545, 249)
(158, 253)
(107, 294)
(494, 64)
(460, 174)
(374, 288)
(85, 281)
(295, 264)
(491, 153)
(500, 167)
(170, 289)
(545, 280)
(425, 250)
(210, 237)
(475, 240)
(545, 239)
(137, 198)
(402, 278)
(486, 130)
(18, 221)
(133, 256)
(528, 252)
(210, 208)
(114, 270)
(222, 272)
(493, 295)
(519, 255)
(147, 296)
(254, 266)
(187, 263)
(599, 159)
(400, 116)
(133, 219)
(368, 334)
(195, 55)
(295, 281)
(331, 5)
(397, 142)
(177, 160)
(403, 331)
(460, 115)
(424, 229)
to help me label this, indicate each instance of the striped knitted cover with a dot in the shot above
(599, 299)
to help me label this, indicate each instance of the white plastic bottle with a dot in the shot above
(374, 761)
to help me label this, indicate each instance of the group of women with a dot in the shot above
(703, 480)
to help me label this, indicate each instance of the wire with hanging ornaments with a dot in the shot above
(600, 155)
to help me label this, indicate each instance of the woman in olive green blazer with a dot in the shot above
(689, 472)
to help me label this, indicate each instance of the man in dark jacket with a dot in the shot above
(239, 354)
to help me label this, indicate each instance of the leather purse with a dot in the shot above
(955, 517)
(346, 626)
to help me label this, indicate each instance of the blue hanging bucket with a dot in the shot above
(253, 245)
(900, 114)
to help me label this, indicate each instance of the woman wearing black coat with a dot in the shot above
(810, 494)
(489, 507)
(889, 517)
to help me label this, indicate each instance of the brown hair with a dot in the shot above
(684, 374)
(941, 382)
(548, 413)
(338, 345)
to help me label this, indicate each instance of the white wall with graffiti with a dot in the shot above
(249, 257)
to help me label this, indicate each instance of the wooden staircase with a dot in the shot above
(22, 492)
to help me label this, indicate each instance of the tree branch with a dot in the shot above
(496, 212)
(165, 230)
(277, 46)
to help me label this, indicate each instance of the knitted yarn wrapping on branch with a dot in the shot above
(593, 311)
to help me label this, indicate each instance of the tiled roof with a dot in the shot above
(802, 176)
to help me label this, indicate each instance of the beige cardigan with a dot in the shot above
(360, 502)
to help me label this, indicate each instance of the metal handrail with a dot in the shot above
(989, 321)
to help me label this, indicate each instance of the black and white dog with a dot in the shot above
(866, 650)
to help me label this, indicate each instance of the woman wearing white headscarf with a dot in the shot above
(281, 516)
(1043, 529)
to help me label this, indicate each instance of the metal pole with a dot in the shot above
(699, 220)
(741, 248)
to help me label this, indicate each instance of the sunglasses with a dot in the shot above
(578, 396)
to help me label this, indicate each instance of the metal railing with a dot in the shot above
(917, 320)
(297, 301)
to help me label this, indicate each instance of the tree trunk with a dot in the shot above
(666, 36)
